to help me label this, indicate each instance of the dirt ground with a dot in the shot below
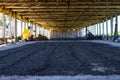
(61, 58)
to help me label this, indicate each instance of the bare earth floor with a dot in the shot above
(61, 58)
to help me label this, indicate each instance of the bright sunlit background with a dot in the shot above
(10, 28)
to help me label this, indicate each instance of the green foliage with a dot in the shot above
(118, 32)
(109, 34)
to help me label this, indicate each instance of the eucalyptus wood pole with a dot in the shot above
(99, 29)
(111, 27)
(31, 28)
(103, 28)
(116, 29)
(107, 29)
(95, 30)
(35, 31)
(15, 28)
(86, 32)
(3, 29)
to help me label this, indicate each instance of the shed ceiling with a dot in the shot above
(64, 14)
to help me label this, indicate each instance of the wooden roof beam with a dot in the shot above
(72, 7)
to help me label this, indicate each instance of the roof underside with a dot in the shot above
(63, 14)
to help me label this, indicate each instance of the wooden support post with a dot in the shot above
(77, 33)
(95, 30)
(15, 28)
(86, 32)
(29, 27)
(106, 29)
(103, 28)
(44, 32)
(35, 31)
(3, 29)
(116, 29)
(99, 29)
(32, 28)
(39, 30)
(111, 27)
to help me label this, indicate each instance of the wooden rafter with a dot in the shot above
(61, 15)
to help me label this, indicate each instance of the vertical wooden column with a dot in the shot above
(86, 32)
(52, 33)
(35, 31)
(44, 32)
(80, 33)
(111, 27)
(116, 28)
(76, 33)
(3, 29)
(39, 31)
(107, 29)
(99, 29)
(103, 28)
(29, 24)
(15, 28)
(95, 30)
(32, 28)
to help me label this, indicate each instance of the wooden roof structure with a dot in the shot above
(62, 14)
